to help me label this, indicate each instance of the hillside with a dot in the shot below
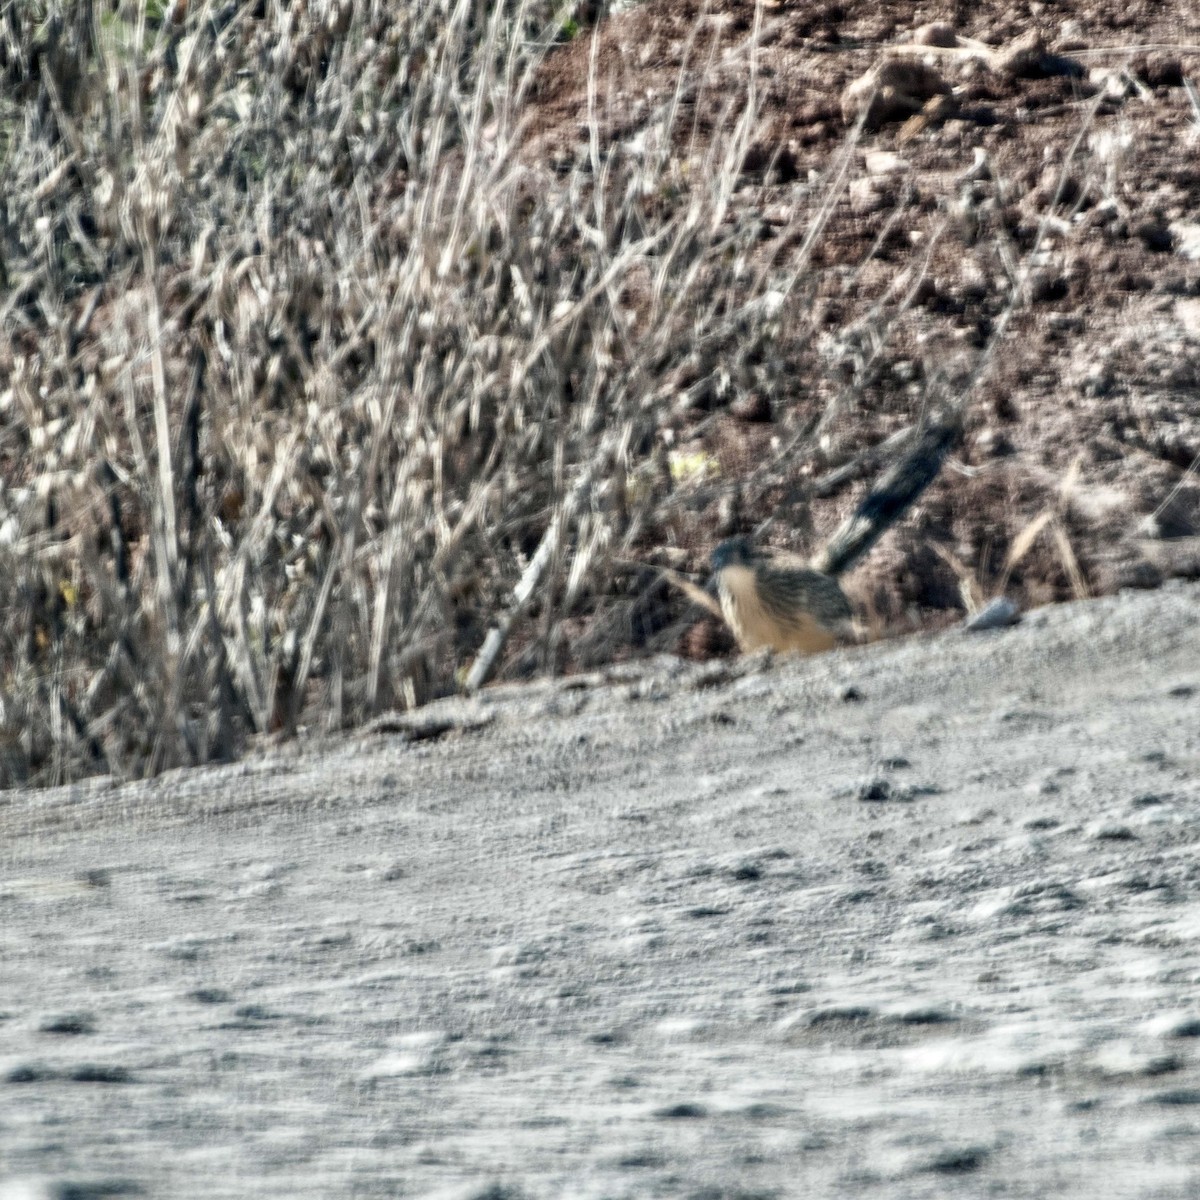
(326, 323)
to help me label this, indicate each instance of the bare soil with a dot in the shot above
(891, 922)
(1073, 150)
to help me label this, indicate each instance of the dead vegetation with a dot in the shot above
(304, 364)
(337, 335)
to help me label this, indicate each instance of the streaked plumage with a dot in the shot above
(769, 603)
(787, 606)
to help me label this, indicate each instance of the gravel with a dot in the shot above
(640, 935)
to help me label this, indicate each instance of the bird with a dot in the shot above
(770, 601)
(787, 605)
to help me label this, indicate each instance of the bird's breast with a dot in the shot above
(755, 626)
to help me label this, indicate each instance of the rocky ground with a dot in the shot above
(1031, 149)
(896, 921)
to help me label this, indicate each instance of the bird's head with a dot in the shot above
(735, 552)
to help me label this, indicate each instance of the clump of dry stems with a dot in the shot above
(300, 362)
(306, 371)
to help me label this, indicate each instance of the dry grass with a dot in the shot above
(1052, 518)
(303, 363)
(310, 379)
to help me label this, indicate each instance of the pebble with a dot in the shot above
(877, 790)
(68, 1189)
(925, 1016)
(839, 1014)
(1042, 823)
(90, 1072)
(958, 1160)
(1111, 831)
(1177, 1096)
(998, 613)
(687, 1111)
(27, 1072)
(414, 1061)
(69, 1023)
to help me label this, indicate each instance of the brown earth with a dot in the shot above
(1061, 168)
(734, 297)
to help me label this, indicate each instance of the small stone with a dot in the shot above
(892, 90)
(1177, 1096)
(99, 1073)
(794, 988)
(1155, 234)
(209, 995)
(1129, 1060)
(747, 871)
(867, 195)
(980, 167)
(1036, 824)
(925, 1016)
(182, 949)
(765, 1110)
(876, 790)
(494, 1191)
(95, 1189)
(1146, 800)
(935, 33)
(256, 1013)
(1043, 787)
(1046, 286)
(885, 162)
(608, 1037)
(686, 1111)
(1127, 572)
(1186, 238)
(28, 1072)
(1062, 322)
(69, 1023)
(958, 1160)
(753, 408)
(1149, 527)
(410, 1063)
(1185, 1027)
(1070, 35)
(1112, 832)
(839, 1014)
(1159, 70)
(991, 442)
(998, 613)
(1022, 58)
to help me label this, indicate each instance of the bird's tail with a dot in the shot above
(893, 493)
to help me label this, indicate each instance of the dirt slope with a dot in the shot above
(604, 296)
(1065, 158)
(883, 923)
